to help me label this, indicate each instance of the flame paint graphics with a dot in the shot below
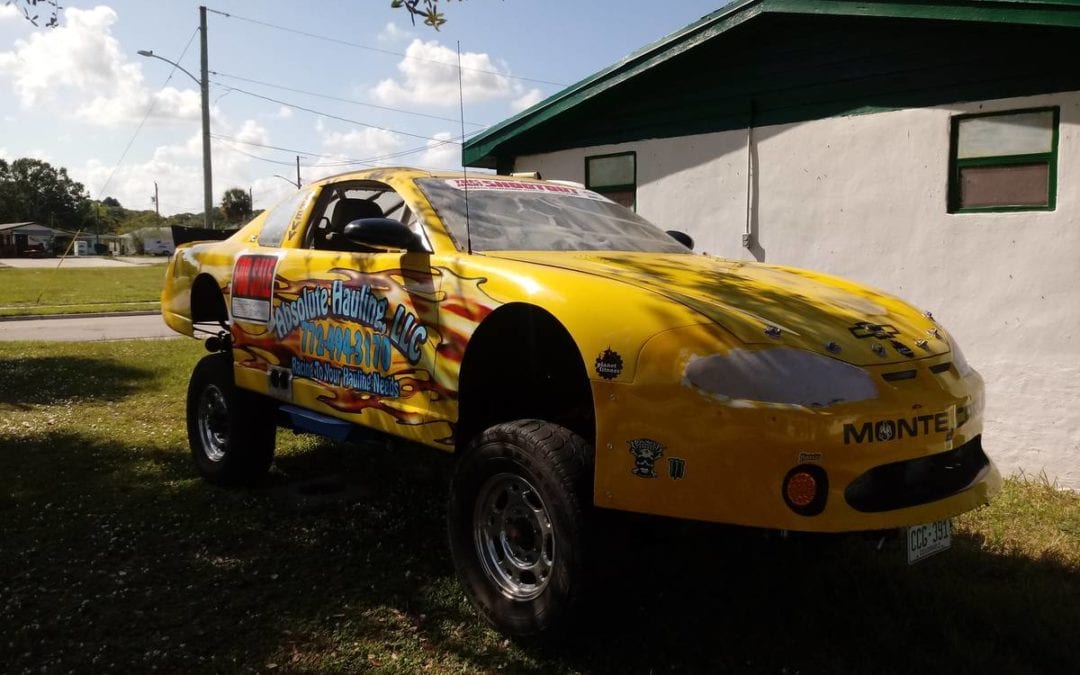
(449, 305)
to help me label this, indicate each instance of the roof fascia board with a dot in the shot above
(478, 151)
(1039, 13)
(669, 47)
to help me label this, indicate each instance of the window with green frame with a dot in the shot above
(614, 176)
(1004, 161)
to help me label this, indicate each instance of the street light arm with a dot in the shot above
(150, 54)
(287, 180)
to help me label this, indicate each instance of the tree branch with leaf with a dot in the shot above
(31, 12)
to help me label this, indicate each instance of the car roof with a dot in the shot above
(399, 173)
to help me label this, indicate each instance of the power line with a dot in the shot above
(304, 153)
(149, 111)
(342, 100)
(235, 149)
(378, 49)
(325, 114)
(322, 165)
(341, 162)
(310, 153)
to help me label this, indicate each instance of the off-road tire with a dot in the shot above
(556, 464)
(231, 431)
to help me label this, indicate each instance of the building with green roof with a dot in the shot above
(929, 148)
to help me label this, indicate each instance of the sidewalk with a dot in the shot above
(81, 262)
(67, 328)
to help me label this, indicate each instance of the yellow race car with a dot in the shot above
(572, 355)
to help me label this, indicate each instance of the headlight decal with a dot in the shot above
(779, 375)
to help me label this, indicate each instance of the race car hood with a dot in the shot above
(815, 312)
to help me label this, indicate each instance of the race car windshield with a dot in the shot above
(509, 215)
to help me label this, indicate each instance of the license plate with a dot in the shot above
(924, 541)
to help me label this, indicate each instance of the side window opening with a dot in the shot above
(280, 217)
(344, 203)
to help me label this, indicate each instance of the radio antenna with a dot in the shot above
(464, 169)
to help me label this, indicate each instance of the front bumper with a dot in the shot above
(725, 461)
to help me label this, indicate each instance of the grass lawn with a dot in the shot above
(115, 556)
(79, 291)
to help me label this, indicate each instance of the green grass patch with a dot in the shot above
(115, 556)
(25, 292)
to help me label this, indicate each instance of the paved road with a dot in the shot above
(85, 329)
(81, 262)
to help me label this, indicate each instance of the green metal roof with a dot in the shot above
(483, 149)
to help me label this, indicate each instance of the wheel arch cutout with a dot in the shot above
(207, 301)
(522, 363)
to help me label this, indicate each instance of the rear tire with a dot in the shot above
(517, 524)
(231, 431)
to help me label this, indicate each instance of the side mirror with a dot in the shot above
(683, 238)
(382, 233)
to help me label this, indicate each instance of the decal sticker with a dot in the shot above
(501, 185)
(902, 348)
(363, 342)
(253, 287)
(809, 457)
(863, 330)
(676, 468)
(280, 380)
(346, 339)
(646, 452)
(883, 431)
(609, 365)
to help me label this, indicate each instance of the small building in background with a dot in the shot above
(19, 240)
(147, 241)
(931, 149)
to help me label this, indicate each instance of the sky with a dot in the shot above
(343, 84)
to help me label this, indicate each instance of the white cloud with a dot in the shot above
(8, 12)
(393, 33)
(440, 153)
(283, 113)
(526, 100)
(79, 69)
(177, 168)
(38, 153)
(4, 154)
(429, 76)
(252, 132)
(361, 143)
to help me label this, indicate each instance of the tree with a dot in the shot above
(31, 189)
(429, 9)
(236, 205)
(31, 12)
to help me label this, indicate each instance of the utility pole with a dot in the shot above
(208, 189)
(157, 202)
(298, 172)
(251, 202)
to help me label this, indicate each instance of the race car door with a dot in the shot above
(358, 326)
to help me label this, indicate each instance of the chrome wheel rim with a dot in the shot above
(213, 421)
(515, 539)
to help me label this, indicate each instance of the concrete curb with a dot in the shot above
(87, 315)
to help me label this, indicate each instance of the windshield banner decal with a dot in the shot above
(502, 185)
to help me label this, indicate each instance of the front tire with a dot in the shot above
(516, 524)
(231, 431)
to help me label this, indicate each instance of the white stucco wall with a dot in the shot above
(864, 197)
